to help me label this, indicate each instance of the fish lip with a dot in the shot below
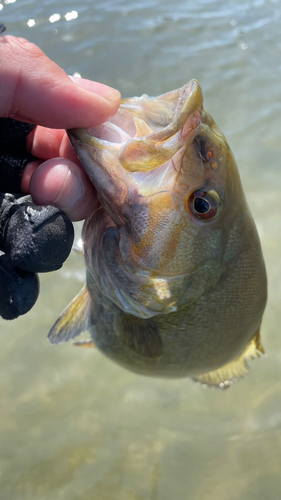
(187, 101)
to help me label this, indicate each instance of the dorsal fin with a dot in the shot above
(75, 319)
(225, 376)
(140, 335)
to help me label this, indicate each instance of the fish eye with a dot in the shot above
(203, 204)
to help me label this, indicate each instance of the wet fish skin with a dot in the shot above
(176, 282)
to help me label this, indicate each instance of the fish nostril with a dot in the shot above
(204, 150)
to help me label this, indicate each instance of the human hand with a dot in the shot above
(34, 89)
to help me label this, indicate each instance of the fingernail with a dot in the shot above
(110, 94)
(71, 190)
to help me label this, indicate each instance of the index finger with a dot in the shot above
(46, 143)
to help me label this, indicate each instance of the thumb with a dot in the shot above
(35, 89)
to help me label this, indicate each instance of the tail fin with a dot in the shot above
(225, 376)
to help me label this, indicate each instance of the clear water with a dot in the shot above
(75, 426)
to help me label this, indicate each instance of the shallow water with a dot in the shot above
(75, 426)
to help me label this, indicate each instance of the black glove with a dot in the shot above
(32, 238)
(13, 154)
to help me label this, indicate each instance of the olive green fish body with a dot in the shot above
(176, 283)
(195, 339)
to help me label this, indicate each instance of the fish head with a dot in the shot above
(170, 187)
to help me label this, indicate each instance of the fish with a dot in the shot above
(175, 277)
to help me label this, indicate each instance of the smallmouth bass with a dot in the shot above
(176, 282)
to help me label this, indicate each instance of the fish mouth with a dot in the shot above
(148, 131)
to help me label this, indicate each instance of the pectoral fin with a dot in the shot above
(140, 335)
(225, 376)
(75, 319)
